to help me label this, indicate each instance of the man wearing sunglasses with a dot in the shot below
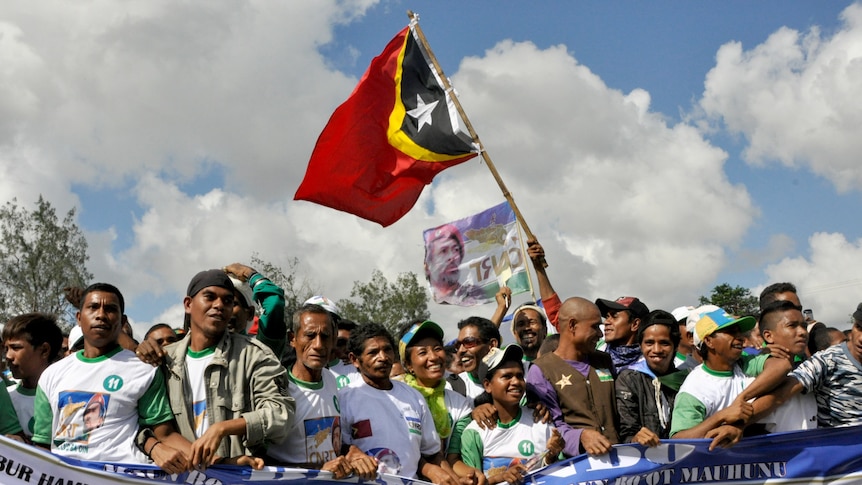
(476, 337)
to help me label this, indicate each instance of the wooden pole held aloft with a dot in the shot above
(414, 22)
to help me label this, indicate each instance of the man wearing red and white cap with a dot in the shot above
(622, 318)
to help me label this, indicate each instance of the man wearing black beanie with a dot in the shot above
(227, 391)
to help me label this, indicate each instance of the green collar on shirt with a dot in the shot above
(201, 353)
(308, 385)
(717, 373)
(510, 423)
(116, 350)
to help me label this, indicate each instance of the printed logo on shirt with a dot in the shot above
(604, 375)
(342, 381)
(112, 383)
(320, 439)
(200, 412)
(335, 402)
(494, 465)
(526, 448)
(361, 429)
(387, 460)
(81, 414)
(414, 425)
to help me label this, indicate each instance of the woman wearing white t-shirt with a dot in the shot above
(424, 359)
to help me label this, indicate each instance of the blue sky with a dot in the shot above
(657, 149)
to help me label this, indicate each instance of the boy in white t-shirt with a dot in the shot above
(32, 342)
(782, 323)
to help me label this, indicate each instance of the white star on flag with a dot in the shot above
(422, 112)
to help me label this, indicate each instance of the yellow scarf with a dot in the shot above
(436, 403)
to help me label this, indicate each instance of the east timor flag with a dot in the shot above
(395, 132)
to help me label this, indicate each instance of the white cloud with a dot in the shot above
(827, 279)
(789, 97)
(623, 201)
(116, 90)
(638, 206)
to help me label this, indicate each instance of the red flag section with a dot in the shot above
(394, 133)
(361, 429)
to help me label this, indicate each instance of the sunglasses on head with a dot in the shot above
(469, 342)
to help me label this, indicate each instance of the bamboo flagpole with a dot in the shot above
(414, 23)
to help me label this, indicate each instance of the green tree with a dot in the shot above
(385, 302)
(39, 256)
(297, 287)
(735, 299)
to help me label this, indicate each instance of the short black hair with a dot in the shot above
(345, 324)
(821, 336)
(769, 293)
(660, 317)
(107, 288)
(487, 329)
(156, 327)
(777, 306)
(36, 328)
(550, 344)
(358, 337)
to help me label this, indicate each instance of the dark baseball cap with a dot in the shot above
(630, 303)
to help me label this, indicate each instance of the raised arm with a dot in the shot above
(272, 329)
(537, 253)
(504, 300)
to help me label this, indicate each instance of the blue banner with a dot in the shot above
(818, 456)
(821, 456)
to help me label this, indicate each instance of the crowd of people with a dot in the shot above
(240, 383)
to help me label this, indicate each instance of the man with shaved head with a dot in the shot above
(576, 382)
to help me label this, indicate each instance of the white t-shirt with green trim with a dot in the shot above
(91, 409)
(22, 400)
(345, 374)
(315, 437)
(460, 415)
(705, 391)
(494, 450)
(474, 388)
(196, 364)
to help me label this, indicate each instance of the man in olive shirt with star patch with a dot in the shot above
(576, 382)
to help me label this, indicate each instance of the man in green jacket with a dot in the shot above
(228, 391)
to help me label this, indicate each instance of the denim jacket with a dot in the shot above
(245, 380)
